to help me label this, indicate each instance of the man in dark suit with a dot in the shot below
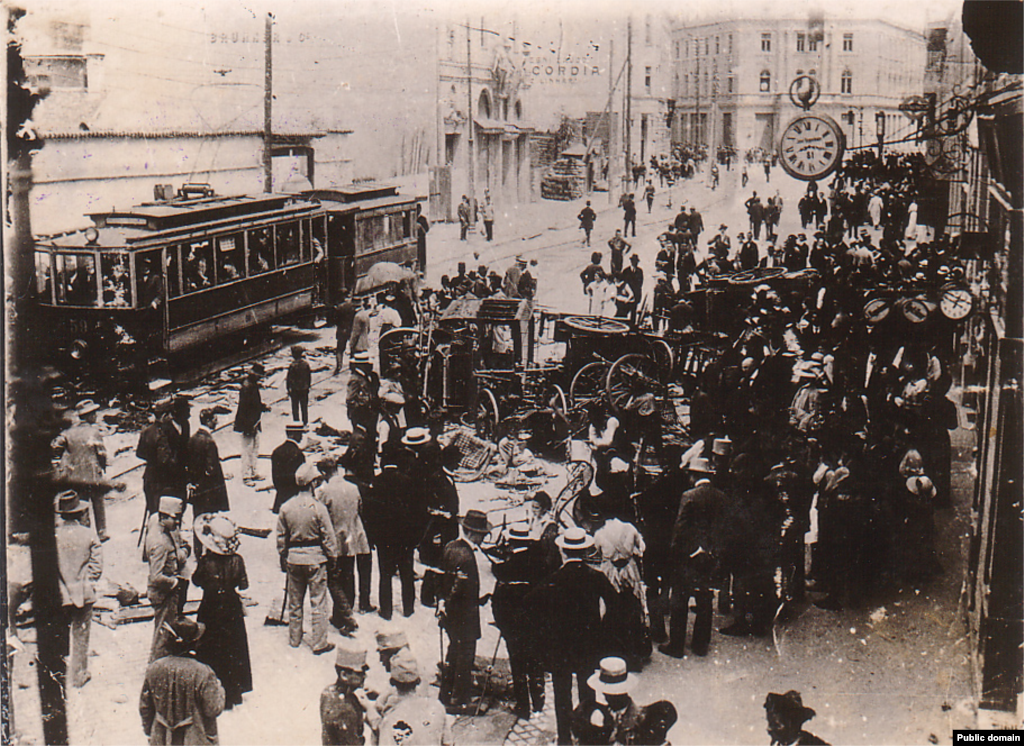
(247, 422)
(458, 609)
(567, 610)
(344, 316)
(697, 553)
(208, 492)
(159, 446)
(284, 462)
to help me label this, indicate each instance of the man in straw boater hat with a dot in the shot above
(613, 682)
(342, 713)
(567, 609)
(181, 697)
(306, 543)
(696, 556)
(786, 716)
(285, 461)
(166, 553)
(80, 562)
(247, 422)
(458, 609)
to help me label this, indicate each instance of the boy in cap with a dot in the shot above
(342, 712)
(412, 718)
(80, 561)
(297, 383)
(166, 553)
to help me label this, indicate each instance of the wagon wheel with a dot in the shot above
(661, 351)
(588, 383)
(580, 474)
(596, 325)
(629, 378)
(486, 416)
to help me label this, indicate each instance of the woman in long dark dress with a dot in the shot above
(221, 574)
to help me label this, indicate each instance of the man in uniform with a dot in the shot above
(284, 462)
(412, 718)
(166, 554)
(80, 561)
(341, 713)
(458, 609)
(306, 543)
(567, 609)
(181, 697)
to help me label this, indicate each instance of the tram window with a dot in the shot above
(229, 258)
(197, 265)
(147, 268)
(44, 277)
(116, 272)
(171, 271)
(288, 244)
(76, 279)
(261, 255)
(307, 241)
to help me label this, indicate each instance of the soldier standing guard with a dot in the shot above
(166, 554)
(341, 713)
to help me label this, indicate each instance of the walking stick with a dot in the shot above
(144, 528)
(487, 680)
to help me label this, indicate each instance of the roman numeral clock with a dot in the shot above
(811, 147)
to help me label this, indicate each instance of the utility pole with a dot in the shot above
(697, 129)
(610, 145)
(469, 121)
(629, 99)
(268, 103)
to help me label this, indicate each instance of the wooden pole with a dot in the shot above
(268, 103)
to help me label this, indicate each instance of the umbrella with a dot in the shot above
(382, 274)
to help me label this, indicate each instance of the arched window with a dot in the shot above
(846, 82)
(799, 73)
(766, 81)
(518, 110)
(813, 73)
(484, 107)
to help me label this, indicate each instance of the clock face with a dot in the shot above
(811, 147)
(915, 310)
(956, 303)
(876, 309)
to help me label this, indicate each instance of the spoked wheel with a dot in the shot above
(557, 398)
(630, 378)
(596, 325)
(486, 415)
(588, 384)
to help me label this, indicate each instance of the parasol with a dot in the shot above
(382, 274)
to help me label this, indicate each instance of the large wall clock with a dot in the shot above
(811, 147)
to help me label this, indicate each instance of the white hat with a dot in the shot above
(613, 677)
(416, 436)
(575, 539)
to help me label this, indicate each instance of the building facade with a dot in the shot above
(732, 79)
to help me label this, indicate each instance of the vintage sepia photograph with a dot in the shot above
(506, 373)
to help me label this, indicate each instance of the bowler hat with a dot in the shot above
(184, 632)
(476, 520)
(575, 540)
(172, 506)
(353, 659)
(404, 669)
(68, 503)
(789, 706)
(612, 677)
(216, 532)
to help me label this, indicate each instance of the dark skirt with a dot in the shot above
(224, 646)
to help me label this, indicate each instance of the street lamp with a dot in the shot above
(880, 131)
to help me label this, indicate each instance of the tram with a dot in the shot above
(155, 282)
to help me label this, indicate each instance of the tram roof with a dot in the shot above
(181, 211)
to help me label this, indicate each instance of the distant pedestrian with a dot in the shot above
(247, 422)
(755, 211)
(297, 383)
(592, 273)
(587, 217)
(487, 213)
(221, 574)
(649, 196)
(344, 315)
(510, 285)
(306, 543)
(464, 212)
(696, 225)
(166, 554)
(744, 176)
(82, 460)
(619, 248)
(628, 214)
(361, 402)
(285, 461)
(162, 446)
(181, 697)
(80, 562)
(634, 277)
(767, 170)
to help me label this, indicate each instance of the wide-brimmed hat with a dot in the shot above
(519, 533)
(700, 465)
(404, 668)
(306, 474)
(789, 706)
(612, 677)
(353, 659)
(575, 540)
(416, 436)
(217, 532)
(86, 406)
(391, 638)
(184, 633)
(476, 520)
(921, 486)
(172, 506)
(68, 503)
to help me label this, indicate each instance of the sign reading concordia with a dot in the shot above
(567, 70)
